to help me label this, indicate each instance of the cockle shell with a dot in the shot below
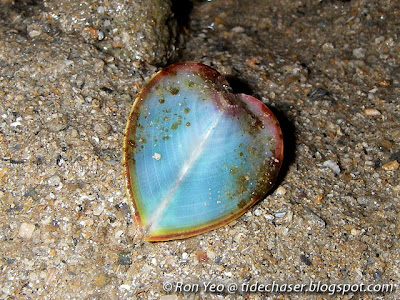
(197, 156)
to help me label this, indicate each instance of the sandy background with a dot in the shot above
(68, 77)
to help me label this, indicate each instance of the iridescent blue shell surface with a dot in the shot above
(197, 156)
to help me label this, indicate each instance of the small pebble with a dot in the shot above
(238, 237)
(379, 39)
(359, 53)
(391, 166)
(54, 180)
(98, 209)
(125, 258)
(328, 47)
(102, 128)
(101, 280)
(258, 212)
(126, 287)
(237, 29)
(280, 191)
(101, 9)
(98, 66)
(26, 230)
(15, 124)
(33, 30)
(228, 274)
(318, 198)
(365, 200)
(373, 112)
(332, 165)
(386, 144)
(305, 260)
(269, 217)
(280, 215)
(201, 256)
(384, 83)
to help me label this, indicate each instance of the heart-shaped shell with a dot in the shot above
(196, 155)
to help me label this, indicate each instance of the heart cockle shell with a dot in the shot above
(197, 156)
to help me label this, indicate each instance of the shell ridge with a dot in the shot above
(155, 217)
